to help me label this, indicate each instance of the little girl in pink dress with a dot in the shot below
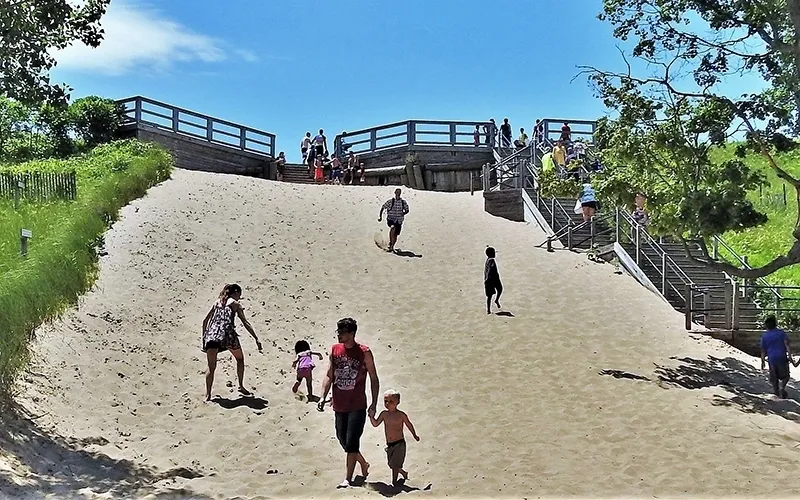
(304, 363)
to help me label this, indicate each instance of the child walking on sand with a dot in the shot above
(319, 176)
(393, 421)
(304, 362)
(491, 280)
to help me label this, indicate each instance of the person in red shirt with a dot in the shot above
(566, 133)
(348, 367)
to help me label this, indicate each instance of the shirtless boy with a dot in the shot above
(393, 421)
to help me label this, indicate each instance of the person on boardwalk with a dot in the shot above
(352, 165)
(776, 350)
(219, 334)
(588, 201)
(505, 134)
(280, 165)
(304, 363)
(320, 144)
(490, 130)
(319, 169)
(491, 280)
(393, 421)
(305, 145)
(566, 133)
(348, 367)
(396, 210)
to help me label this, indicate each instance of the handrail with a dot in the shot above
(177, 121)
(717, 241)
(518, 153)
(656, 247)
(548, 131)
(414, 132)
(674, 279)
(506, 168)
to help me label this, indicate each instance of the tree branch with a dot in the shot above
(792, 257)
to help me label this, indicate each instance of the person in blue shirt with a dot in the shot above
(776, 350)
(588, 199)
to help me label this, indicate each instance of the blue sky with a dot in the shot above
(291, 66)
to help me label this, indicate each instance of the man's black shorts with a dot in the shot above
(779, 370)
(492, 287)
(349, 427)
(398, 226)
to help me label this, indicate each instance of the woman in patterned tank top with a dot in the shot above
(219, 334)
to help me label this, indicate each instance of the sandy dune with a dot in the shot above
(506, 406)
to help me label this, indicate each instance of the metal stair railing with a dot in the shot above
(672, 279)
(507, 172)
(738, 260)
(628, 229)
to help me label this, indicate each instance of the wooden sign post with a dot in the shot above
(25, 235)
(20, 187)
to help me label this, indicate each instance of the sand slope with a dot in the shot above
(506, 406)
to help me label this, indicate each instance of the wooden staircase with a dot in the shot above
(297, 173)
(713, 308)
(650, 255)
(559, 213)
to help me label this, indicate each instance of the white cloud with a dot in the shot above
(139, 37)
(247, 55)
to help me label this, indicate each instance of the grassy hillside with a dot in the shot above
(61, 262)
(774, 238)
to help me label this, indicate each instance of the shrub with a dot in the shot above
(49, 131)
(54, 121)
(554, 186)
(95, 120)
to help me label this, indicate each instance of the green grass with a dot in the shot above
(62, 262)
(764, 243)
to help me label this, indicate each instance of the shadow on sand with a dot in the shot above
(507, 314)
(59, 466)
(748, 388)
(407, 253)
(387, 490)
(251, 402)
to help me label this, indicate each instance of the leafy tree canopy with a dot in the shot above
(30, 30)
(672, 111)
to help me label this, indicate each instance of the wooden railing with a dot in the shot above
(580, 129)
(414, 132)
(182, 121)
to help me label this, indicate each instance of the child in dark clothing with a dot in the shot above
(491, 280)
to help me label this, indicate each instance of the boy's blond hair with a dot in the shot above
(391, 393)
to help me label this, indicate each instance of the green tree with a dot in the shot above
(15, 120)
(30, 30)
(54, 122)
(671, 111)
(95, 119)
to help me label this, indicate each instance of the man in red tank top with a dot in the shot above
(348, 367)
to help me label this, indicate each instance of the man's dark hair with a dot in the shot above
(771, 323)
(347, 325)
(490, 252)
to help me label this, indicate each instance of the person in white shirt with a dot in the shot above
(304, 145)
(321, 144)
(396, 210)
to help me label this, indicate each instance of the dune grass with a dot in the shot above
(62, 263)
(764, 243)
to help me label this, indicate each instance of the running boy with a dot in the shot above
(393, 421)
(491, 280)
